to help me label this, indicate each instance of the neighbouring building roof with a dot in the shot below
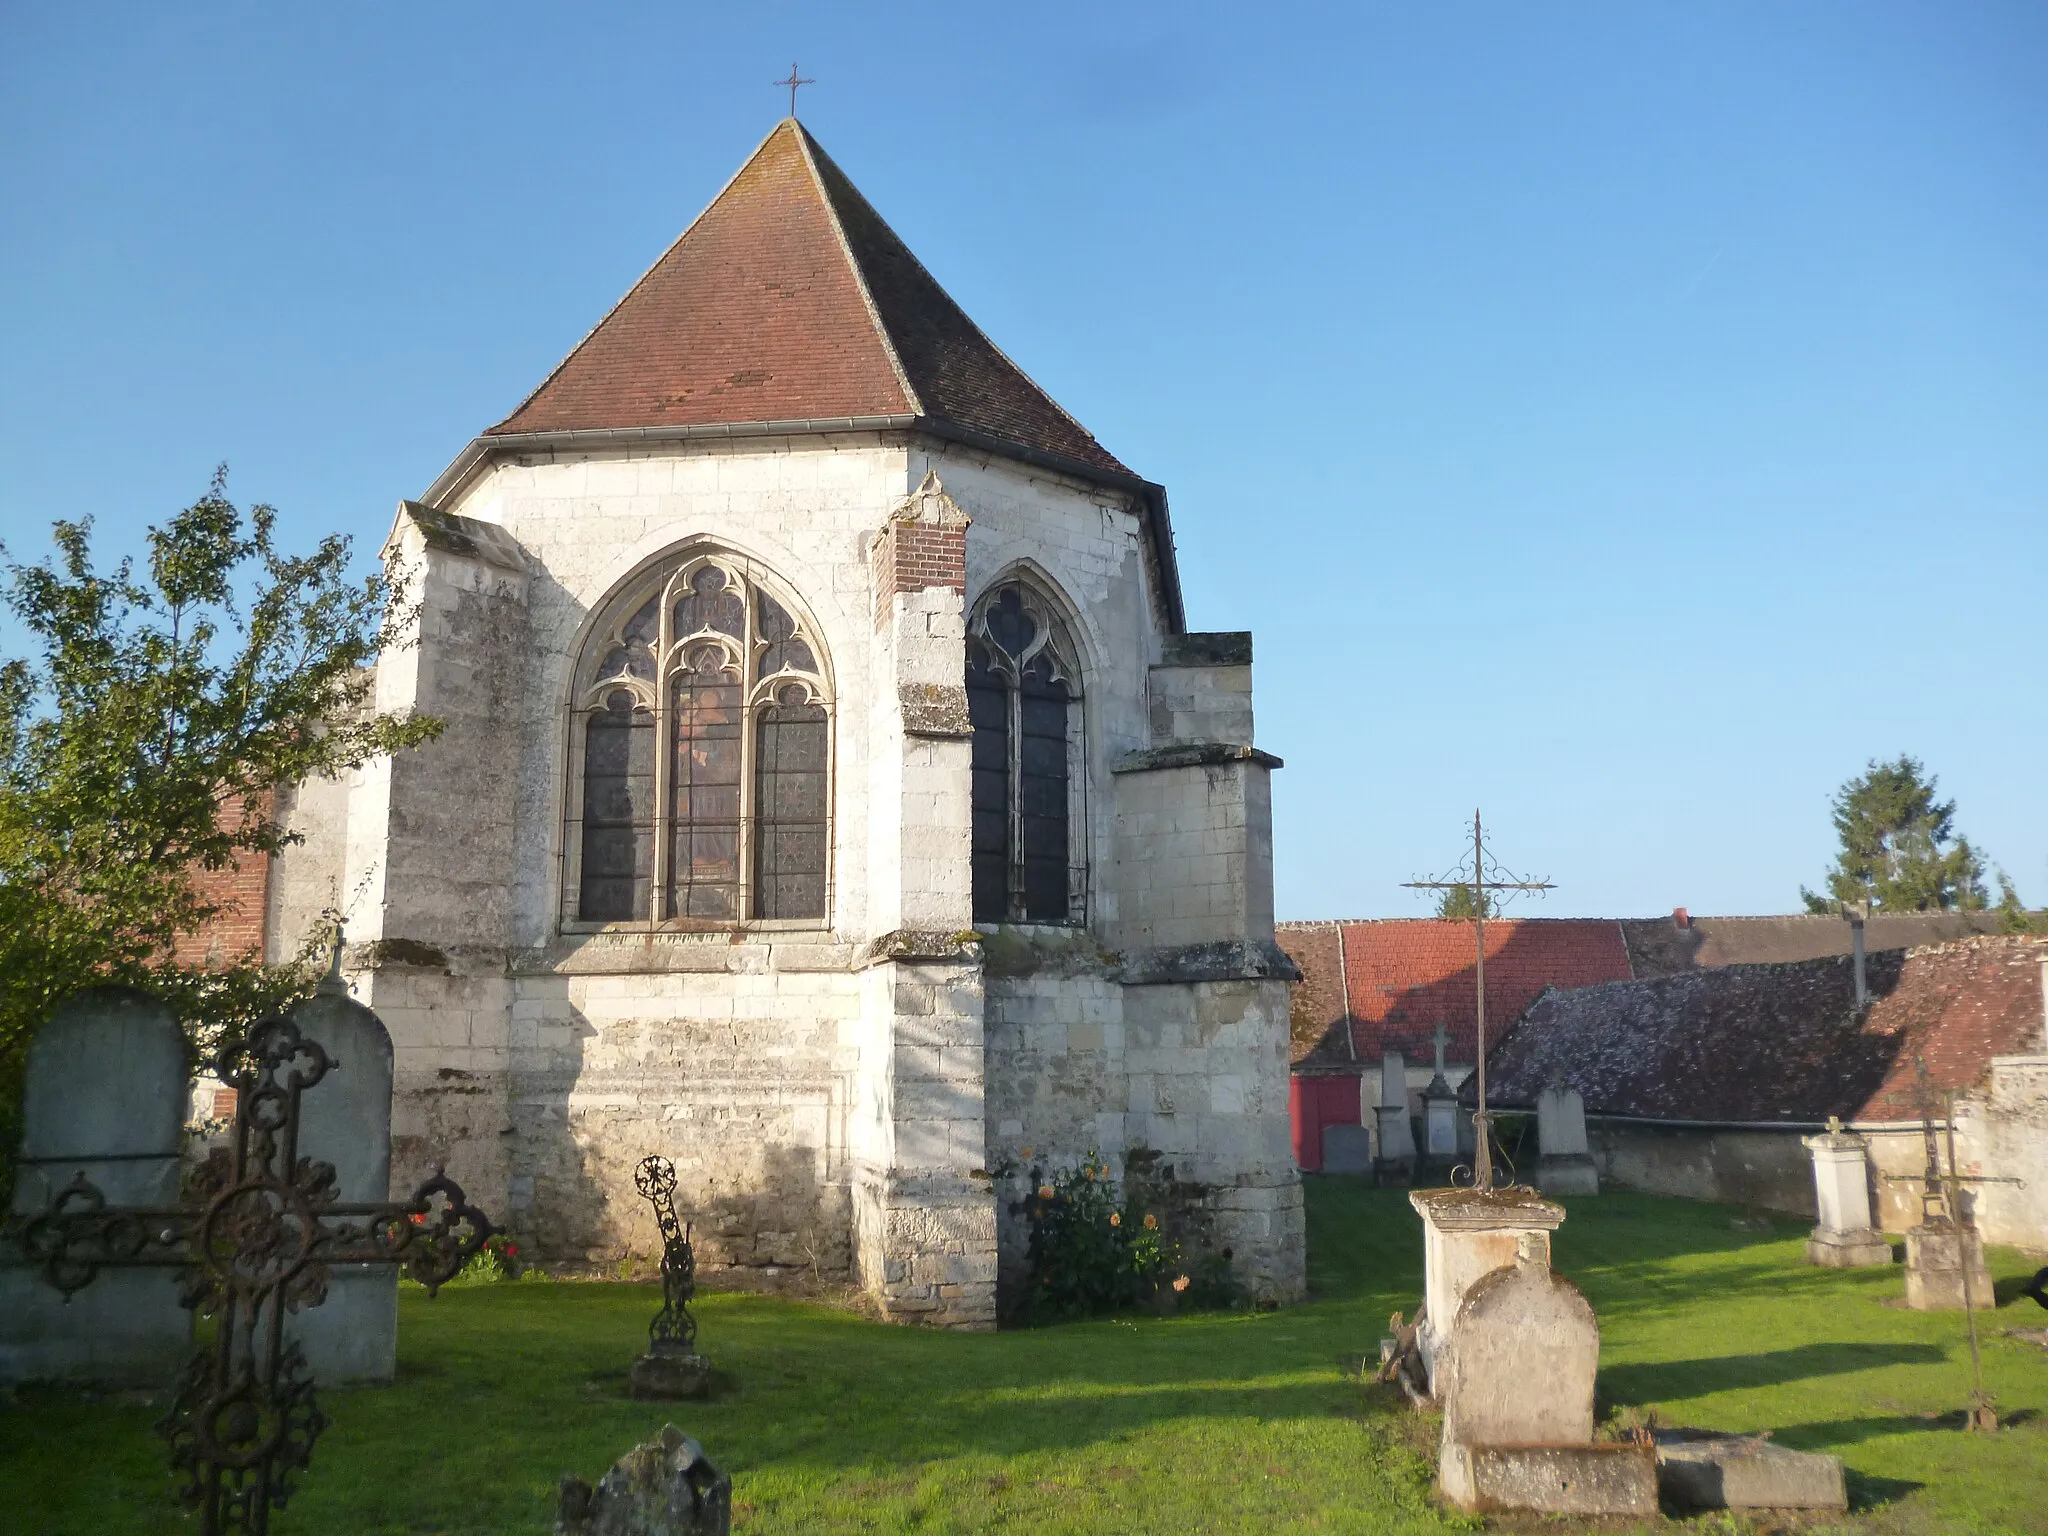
(1402, 977)
(1664, 946)
(789, 299)
(1760, 1043)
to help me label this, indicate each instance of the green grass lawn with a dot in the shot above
(1229, 1422)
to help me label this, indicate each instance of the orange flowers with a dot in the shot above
(1151, 1222)
(1180, 1282)
(1116, 1218)
(1045, 1191)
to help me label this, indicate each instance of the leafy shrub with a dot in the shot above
(1093, 1248)
(497, 1260)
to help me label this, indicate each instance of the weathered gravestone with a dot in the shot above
(662, 1488)
(1397, 1136)
(1347, 1149)
(1564, 1163)
(1467, 1234)
(104, 1099)
(1516, 1380)
(1844, 1238)
(353, 1335)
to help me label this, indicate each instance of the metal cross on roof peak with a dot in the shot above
(793, 82)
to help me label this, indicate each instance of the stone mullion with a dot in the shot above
(1013, 786)
(749, 747)
(664, 758)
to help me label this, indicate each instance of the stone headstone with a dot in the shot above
(1467, 1234)
(345, 1119)
(1347, 1149)
(1397, 1136)
(1564, 1164)
(105, 1096)
(1517, 1387)
(1939, 1256)
(1440, 1123)
(662, 1488)
(1844, 1237)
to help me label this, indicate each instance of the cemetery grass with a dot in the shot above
(1218, 1422)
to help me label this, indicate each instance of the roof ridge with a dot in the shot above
(917, 261)
(805, 146)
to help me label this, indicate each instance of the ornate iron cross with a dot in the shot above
(256, 1234)
(1485, 879)
(673, 1330)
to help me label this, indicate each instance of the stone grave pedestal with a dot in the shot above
(346, 1120)
(1844, 1238)
(1564, 1164)
(105, 1096)
(1517, 1385)
(1936, 1253)
(1439, 1127)
(1396, 1163)
(1466, 1234)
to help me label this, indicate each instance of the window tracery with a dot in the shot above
(1023, 689)
(705, 754)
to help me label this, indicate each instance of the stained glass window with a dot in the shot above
(1021, 702)
(706, 758)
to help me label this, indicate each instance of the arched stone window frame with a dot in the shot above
(1055, 647)
(769, 671)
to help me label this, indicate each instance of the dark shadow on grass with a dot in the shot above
(1660, 1380)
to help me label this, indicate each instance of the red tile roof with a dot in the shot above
(1405, 976)
(1782, 1042)
(789, 299)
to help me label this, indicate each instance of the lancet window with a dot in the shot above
(1023, 699)
(705, 750)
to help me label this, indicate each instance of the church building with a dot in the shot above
(832, 799)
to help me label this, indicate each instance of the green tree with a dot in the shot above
(1463, 902)
(140, 743)
(1900, 849)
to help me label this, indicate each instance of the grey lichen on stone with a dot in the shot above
(1193, 754)
(1009, 953)
(665, 1487)
(1224, 960)
(925, 944)
(454, 534)
(934, 709)
(1211, 648)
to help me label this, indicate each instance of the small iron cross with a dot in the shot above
(673, 1330)
(256, 1235)
(793, 82)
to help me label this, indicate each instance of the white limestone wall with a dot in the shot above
(805, 511)
(2001, 1132)
(1194, 855)
(306, 876)
(1194, 1071)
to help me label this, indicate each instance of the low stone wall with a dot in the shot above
(1765, 1168)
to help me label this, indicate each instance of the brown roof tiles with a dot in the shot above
(789, 299)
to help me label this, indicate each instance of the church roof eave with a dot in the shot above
(477, 456)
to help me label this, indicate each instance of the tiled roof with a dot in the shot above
(1662, 946)
(1405, 976)
(789, 299)
(1781, 1042)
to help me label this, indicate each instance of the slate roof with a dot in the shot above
(1662, 946)
(789, 299)
(1760, 1043)
(1405, 976)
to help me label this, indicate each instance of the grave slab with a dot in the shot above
(1397, 1136)
(1608, 1479)
(1715, 1471)
(1347, 1149)
(1564, 1164)
(665, 1487)
(105, 1096)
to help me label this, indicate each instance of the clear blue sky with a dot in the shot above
(1628, 417)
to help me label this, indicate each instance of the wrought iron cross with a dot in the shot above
(793, 82)
(256, 1235)
(673, 1330)
(1479, 885)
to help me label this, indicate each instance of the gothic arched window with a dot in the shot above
(705, 750)
(1023, 688)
